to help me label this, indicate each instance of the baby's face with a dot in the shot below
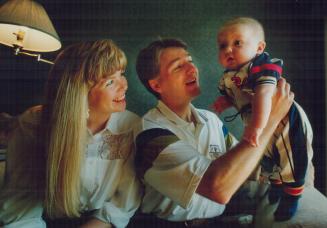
(237, 45)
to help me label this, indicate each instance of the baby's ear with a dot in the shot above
(261, 47)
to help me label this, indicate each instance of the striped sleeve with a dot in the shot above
(265, 70)
(149, 144)
(169, 165)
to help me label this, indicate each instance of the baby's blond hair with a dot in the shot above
(248, 21)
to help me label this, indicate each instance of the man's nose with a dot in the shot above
(192, 68)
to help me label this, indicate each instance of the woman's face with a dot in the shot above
(108, 95)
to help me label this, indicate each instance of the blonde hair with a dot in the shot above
(76, 70)
(248, 21)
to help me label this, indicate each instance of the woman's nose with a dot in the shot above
(123, 83)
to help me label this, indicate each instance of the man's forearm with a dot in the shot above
(226, 174)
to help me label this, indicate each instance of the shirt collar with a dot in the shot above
(111, 126)
(243, 68)
(172, 116)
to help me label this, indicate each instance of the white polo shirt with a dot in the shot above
(171, 182)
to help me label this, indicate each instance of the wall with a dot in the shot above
(294, 33)
(325, 51)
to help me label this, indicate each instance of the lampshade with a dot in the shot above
(25, 23)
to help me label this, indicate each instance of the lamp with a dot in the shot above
(25, 25)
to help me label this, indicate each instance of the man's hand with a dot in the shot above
(96, 223)
(251, 135)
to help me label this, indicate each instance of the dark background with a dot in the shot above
(294, 32)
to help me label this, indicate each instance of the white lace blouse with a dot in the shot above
(108, 182)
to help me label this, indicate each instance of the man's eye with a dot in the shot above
(109, 82)
(179, 66)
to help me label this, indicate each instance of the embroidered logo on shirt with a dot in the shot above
(214, 151)
(116, 146)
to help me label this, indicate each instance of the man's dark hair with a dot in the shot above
(147, 62)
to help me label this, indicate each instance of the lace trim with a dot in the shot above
(115, 146)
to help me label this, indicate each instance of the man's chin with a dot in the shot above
(195, 93)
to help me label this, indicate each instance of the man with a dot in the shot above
(181, 151)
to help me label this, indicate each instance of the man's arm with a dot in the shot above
(227, 173)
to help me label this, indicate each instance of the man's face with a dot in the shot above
(178, 80)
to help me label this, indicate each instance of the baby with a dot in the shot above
(249, 83)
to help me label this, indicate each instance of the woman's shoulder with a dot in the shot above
(121, 122)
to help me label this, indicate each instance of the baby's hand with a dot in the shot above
(221, 103)
(251, 135)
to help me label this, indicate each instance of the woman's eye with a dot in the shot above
(109, 82)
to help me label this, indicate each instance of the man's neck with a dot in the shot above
(181, 110)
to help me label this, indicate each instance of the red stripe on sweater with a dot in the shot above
(267, 66)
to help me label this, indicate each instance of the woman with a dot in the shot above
(73, 156)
